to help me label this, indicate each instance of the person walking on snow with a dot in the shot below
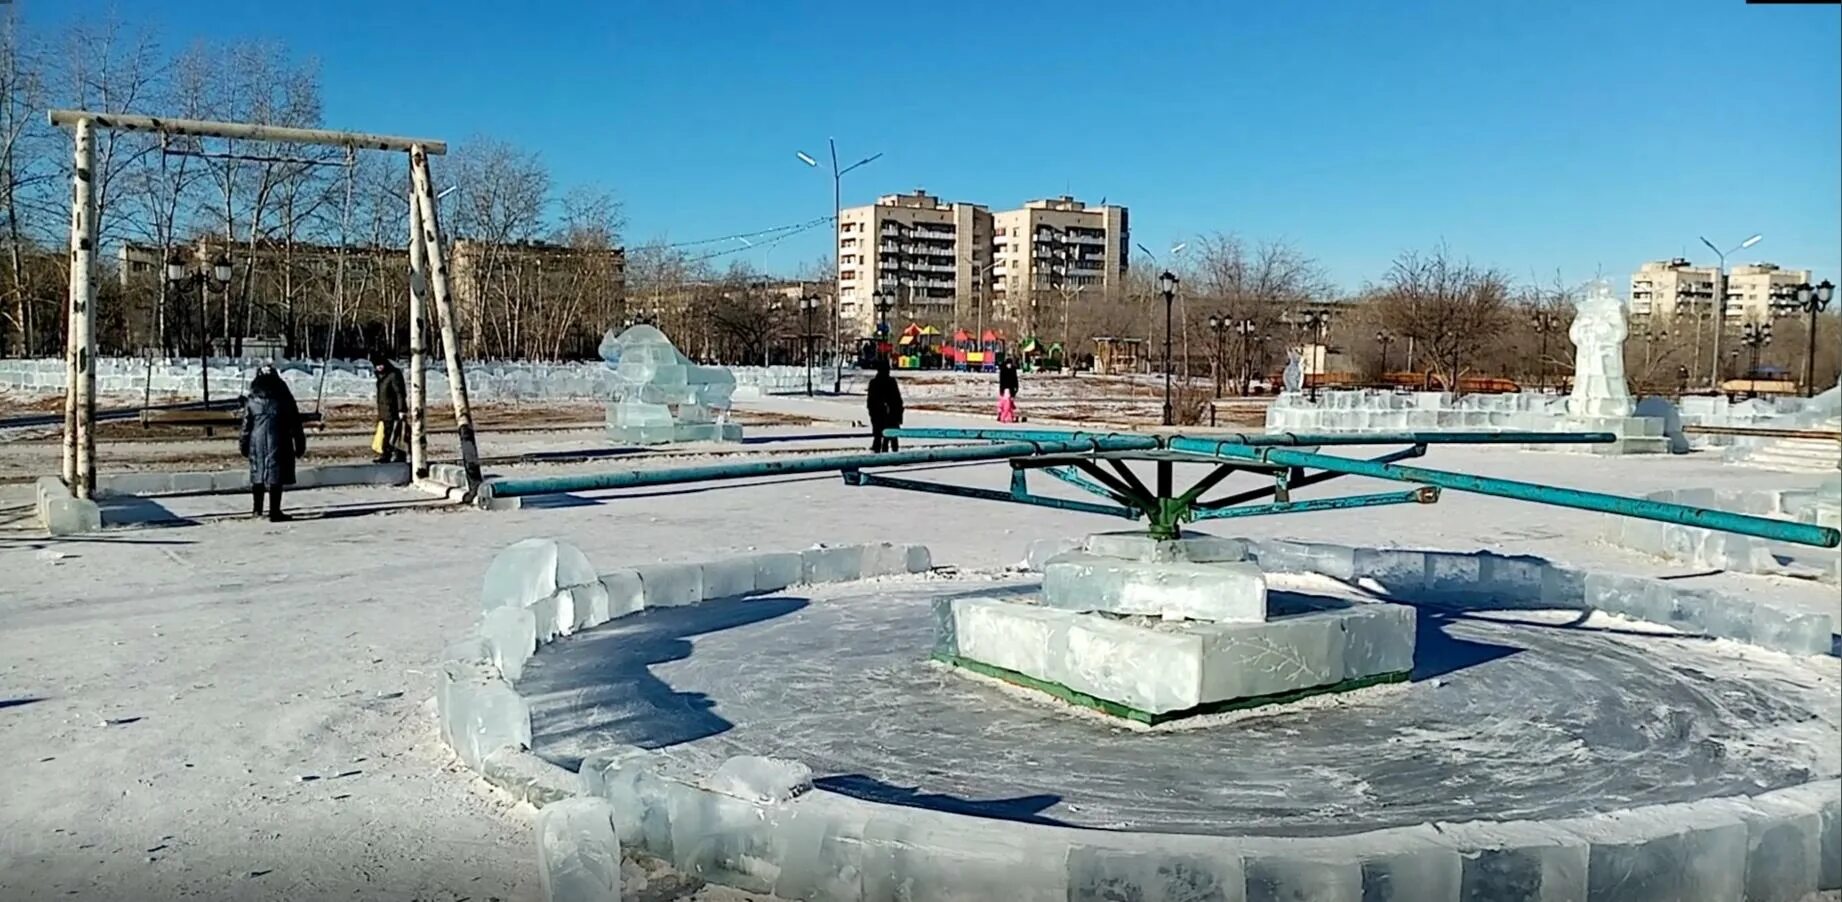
(392, 406)
(271, 439)
(884, 398)
(1007, 392)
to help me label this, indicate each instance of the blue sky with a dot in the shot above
(1530, 136)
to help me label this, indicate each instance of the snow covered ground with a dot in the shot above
(220, 708)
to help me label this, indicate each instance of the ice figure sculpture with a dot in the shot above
(1294, 376)
(1598, 335)
(661, 396)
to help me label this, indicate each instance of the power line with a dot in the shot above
(794, 228)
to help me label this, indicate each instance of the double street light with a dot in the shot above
(1812, 299)
(837, 227)
(1720, 298)
(1545, 323)
(1384, 338)
(214, 277)
(1754, 336)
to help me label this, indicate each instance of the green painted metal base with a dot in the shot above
(1126, 712)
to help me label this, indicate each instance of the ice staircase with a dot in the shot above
(1800, 455)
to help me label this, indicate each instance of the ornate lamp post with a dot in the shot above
(1316, 322)
(1545, 323)
(215, 278)
(1219, 327)
(1244, 328)
(1167, 288)
(1754, 336)
(1812, 299)
(1384, 338)
(807, 306)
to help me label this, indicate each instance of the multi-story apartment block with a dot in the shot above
(1670, 288)
(1055, 249)
(922, 256)
(961, 265)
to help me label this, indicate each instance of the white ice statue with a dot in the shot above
(1294, 376)
(1598, 335)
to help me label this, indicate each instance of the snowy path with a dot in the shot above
(164, 691)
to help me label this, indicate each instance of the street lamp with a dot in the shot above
(1315, 322)
(1720, 298)
(1812, 299)
(216, 277)
(1244, 328)
(1384, 338)
(1754, 336)
(807, 305)
(1545, 323)
(1651, 336)
(1219, 326)
(837, 227)
(1167, 288)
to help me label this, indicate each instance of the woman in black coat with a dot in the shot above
(272, 439)
(884, 398)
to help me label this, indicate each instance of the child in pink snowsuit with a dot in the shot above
(1007, 408)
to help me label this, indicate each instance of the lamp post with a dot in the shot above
(1167, 289)
(1315, 322)
(1244, 329)
(1219, 327)
(1754, 336)
(215, 277)
(837, 227)
(1812, 299)
(1720, 298)
(1651, 337)
(807, 305)
(1384, 338)
(1545, 323)
(883, 302)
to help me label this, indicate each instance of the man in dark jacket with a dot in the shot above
(885, 402)
(1007, 378)
(392, 406)
(271, 438)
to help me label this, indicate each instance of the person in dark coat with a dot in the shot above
(272, 439)
(1007, 378)
(885, 402)
(392, 406)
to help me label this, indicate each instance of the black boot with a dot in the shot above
(275, 514)
(256, 492)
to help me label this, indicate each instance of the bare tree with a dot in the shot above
(24, 170)
(499, 203)
(1451, 309)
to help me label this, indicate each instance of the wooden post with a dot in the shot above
(428, 221)
(82, 310)
(418, 349)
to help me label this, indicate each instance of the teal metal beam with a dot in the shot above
(1421, 495)
(1272, 439)
(1579, 499)
(1016, 435)
(855, 477)
(1327, 439)
(1302, 481)
(1083, 483)
(782, 466)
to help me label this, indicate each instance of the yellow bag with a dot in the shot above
(377, 439)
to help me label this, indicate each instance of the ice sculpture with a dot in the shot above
(661, 396)
(1294, 376)
(1598, 335)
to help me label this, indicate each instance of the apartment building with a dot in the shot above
(1670, 288)
(1050, 251)
(951, 264)
(922, 254)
